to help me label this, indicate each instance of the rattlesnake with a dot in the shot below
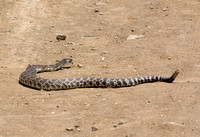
(28, 78)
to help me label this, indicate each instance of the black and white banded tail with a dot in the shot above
(147, 79)
(121, 82)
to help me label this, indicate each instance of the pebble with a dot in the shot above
(164, 9)
(76, 125)
(131, 37)
(60, 37)
(115, 125)
(104, 66)
(96, 10)
(151, 7)
(101, 13)
(71, 43)
(78, 130)
(26, 103)
(120, 122)
(105, 52)
(98, 95)
(103, 58)
(69, 129)
(93, 49)
(80, 65)
(134, 70)
(94, 128)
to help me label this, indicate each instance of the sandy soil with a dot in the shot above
(97, 32)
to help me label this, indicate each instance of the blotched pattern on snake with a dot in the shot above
(28, 78)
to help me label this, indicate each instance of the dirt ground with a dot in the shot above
(96, 39)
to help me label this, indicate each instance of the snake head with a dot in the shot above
(67, 61)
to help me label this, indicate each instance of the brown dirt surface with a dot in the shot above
(96, 38)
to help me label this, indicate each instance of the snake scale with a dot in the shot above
(28, 78)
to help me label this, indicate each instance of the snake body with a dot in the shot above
(28, 78)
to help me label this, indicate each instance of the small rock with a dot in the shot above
(98, 95)
(93, 49)
(70, 129)
(105, 52)
(78, 130)
(164, 9)
(26, 103)
(76, 125)
(80, 65)
(96, 10)
(70, 43)
(169, 58)
(105, 66)
(94, 128)
(131, 37)
(103, 58)
(115, 125)
(134, 70)
(120, 122)
(60, 37)
(101, 13)
(151, 7)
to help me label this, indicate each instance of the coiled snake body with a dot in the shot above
(28, 78)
